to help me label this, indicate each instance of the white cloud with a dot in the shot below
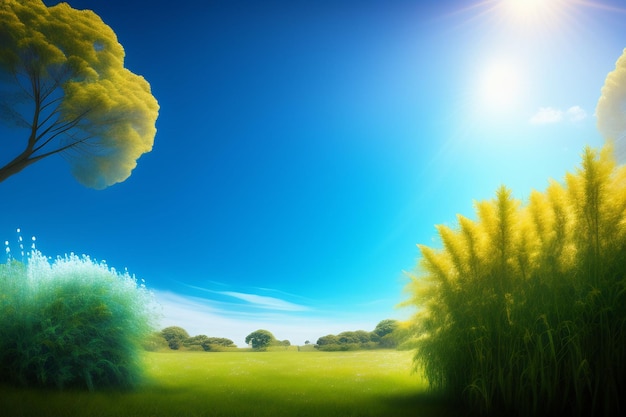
(551, 115)
(576, 114)
(546, 115)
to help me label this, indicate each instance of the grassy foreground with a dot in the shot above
(249, 384)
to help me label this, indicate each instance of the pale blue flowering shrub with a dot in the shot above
(71, 322)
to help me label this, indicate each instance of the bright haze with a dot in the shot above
(304, 148)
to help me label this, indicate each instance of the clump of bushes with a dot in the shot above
(385, 335)
(176, 337)
(523, 310)
(71, 323)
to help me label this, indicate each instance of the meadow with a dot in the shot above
(274, 383)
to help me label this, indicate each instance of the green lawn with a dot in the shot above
(249, 384)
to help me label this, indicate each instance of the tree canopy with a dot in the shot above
(385, 335)
(260, 339)
(175, 336)
(63, 81)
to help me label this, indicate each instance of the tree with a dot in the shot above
(208, 343)
(200, 340)
(329, 339)
(353, 337)
(63, 81)
(221, 341)
(175, 336)
(384, 335)
(385, 327)
(260, 339)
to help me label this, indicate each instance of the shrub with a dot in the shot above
(71, 323)
(260, 339)
(384, 336)
(203, 342)
(155, 342)
(523, 311)
(175, 336)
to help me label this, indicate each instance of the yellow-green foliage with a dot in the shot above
(523, 310)
(69, 65)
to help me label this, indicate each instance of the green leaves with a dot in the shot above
(515, 302)
(71, 323)
(260, 339)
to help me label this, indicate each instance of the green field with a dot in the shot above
(249, 384)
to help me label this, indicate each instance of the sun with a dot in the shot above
(527, 6)
(531, 12)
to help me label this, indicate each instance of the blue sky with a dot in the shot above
(304, 148)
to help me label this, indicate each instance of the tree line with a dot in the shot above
(175, 338)
(387, 334)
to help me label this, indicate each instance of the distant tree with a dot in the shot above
(260, 339)
(363, 336)
(385, 327)
(63, 81)
(330, 339)
(382, 336)
(207, 343)
(198, 341)
(155, 341)
(306, 342)
(354, 337)
(385, 333)
(175, 336)
(221, 341)
(285, 343)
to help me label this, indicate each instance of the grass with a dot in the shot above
(274, 383)
(522, 311)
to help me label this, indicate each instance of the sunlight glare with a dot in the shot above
(499, 87)
(532, 12)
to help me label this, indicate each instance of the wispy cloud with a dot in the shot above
(551, 115)
(254, 300)
(262, 301)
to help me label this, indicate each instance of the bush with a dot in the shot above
(523, 311)
(260, 339)
(72, 323)
(386, 335)
(203, 342)
(155, 342)
(175, 336)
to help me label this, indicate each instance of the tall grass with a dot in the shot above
(71, 323)
(523, 310)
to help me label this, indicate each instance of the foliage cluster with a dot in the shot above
(71, 323)
(261, 339)
(177, 337)
(383, 336)
(64, 83)
(523, 311)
